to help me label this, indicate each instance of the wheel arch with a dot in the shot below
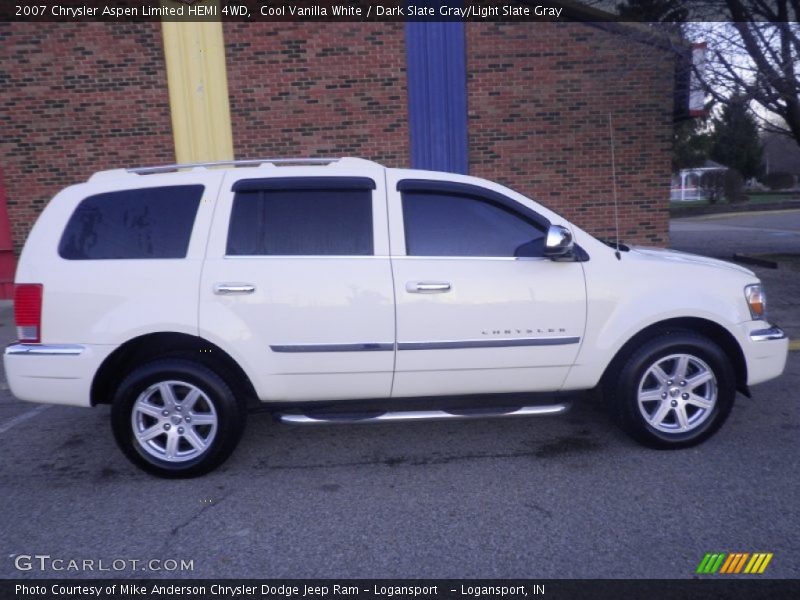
(712, 330)
(153, 346)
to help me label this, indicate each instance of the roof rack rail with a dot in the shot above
(232, 163)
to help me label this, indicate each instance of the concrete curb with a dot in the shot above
(749, 213)
(678, 212)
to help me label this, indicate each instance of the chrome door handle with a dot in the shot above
(234, 288)
(427, 287)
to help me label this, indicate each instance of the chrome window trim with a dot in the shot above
(44, 350)
(304, 256)
(508, 258)
(771, 333)
(383, 257)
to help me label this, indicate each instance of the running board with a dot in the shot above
(419, 415)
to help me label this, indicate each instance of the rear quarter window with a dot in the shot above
(138, 223)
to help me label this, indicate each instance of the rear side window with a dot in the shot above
(311, 221)
(139, 223)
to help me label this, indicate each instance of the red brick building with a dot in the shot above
(78, 98)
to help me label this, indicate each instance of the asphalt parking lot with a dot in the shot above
(557, 497)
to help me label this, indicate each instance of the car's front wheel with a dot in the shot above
(674, 391)
(176, 418)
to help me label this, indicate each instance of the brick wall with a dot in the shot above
(539, 100)
(83, 97)
(77, 98)
(322, 90)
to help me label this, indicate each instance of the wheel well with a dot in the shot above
(152, 346)
(715, 332)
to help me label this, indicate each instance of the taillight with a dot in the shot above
(28, 312)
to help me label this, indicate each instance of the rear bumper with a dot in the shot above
(765, 351)
(53, 373)
(45, 350)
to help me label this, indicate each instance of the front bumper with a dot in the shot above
(53, 373)
(766, 335)
(765, 351)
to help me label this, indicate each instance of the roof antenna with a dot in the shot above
(614, 182)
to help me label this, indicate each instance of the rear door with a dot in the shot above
(297, 282)
(479, 309)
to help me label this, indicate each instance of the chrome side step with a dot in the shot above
(419, 415)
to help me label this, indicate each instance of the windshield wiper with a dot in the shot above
(616, 246)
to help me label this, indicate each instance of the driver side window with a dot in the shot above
(439, 223)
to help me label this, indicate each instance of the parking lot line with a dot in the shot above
(794, 345)
(23, 417)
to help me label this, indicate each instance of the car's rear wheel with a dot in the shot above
(674, 391)
(176, 418)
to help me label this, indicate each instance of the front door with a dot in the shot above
(479, 309)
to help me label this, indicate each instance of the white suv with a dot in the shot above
(338, 290)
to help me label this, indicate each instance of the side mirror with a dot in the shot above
(558, 243)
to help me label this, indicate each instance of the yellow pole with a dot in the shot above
(198, 89)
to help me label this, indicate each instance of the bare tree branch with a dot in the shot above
(757, 52)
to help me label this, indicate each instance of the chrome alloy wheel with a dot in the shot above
(677, 393)
(174, 421)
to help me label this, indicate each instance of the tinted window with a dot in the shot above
(444, 224)
(310, 222)
(140, 223)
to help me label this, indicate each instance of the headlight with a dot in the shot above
(756, 300)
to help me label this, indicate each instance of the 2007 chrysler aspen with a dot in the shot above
(331, 290)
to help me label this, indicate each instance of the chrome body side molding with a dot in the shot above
(435, 345)
(45, 349)
(506, 343)
(363, 347)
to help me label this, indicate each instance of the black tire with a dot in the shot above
(199, 447)
(625, 383)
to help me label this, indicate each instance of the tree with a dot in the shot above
(691, 145)
(756, 52)
(654, 11)
(753, 47)
(735, 142)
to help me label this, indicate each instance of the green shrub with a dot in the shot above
(712, 184)
(778, 180)
(733, 186)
